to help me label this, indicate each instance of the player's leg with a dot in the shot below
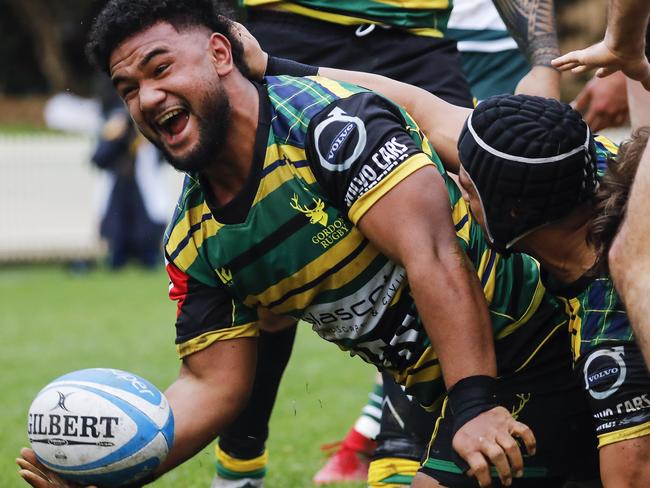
(405, 430)
(618, 390)
(241, 452)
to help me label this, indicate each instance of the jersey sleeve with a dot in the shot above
(206, 314)
(359, 148)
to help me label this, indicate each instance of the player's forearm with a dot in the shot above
(210, 391)
(531, 23)
(627, 21)
(454, 312)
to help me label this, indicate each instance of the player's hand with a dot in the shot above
(541, 81)
(38, 475)
(633, 64)
(489, 439)
(254, 57)
(603, 102)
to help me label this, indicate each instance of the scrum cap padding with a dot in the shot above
(532, 160)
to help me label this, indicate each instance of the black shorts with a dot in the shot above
(430, 63)
(545, 397)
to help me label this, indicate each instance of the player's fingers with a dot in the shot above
(597, 123)
(513, 452)
(568, 66)
(498, 458)
(562, 61)
(479, 468)
(526, 435)
(34, 480)
(27, 466)
(606, 71)
(581, 68)
(581, 103)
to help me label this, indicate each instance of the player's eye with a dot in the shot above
(160, 69)
(127, 91)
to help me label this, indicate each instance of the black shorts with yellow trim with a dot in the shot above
(545, 396)
(430, 63)
(617, 384)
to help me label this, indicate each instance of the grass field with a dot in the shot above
(54, 321)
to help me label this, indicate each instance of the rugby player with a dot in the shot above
(319, 200)
(532, 194)
(396, 41)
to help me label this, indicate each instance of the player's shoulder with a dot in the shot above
(190, 214)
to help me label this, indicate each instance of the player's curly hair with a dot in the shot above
(121, 19)
(610, 201)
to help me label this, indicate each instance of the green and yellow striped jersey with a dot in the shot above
(421, 17)
(596, 313)
(325, 153)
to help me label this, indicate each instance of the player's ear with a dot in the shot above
(221, 53)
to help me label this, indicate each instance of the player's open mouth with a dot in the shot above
(172, 123)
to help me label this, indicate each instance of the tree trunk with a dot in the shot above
(39, 18)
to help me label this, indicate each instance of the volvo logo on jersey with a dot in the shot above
(339, 131)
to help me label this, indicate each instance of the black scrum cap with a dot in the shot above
(532, 160)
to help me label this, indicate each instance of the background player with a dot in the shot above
(514, 191)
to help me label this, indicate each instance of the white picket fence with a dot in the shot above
(49, 198)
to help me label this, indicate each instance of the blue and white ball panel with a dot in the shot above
(101, 426)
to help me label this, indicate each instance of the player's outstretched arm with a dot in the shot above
(621, 49)
(212, 387)
(412, 225)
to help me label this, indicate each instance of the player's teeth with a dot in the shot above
(168, 116)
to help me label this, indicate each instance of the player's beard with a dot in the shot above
(213, 121)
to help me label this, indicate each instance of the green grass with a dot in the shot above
(54, 322)
(27, 129)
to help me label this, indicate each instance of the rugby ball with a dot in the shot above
(101, 427)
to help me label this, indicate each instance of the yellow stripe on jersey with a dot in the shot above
(313, 270)
(334, 86)
(419, 373)
(347, 19)
(458, 213)
(281, 175)
(572, 307)
(538, 296)
(488, 289)
(417, 4)
(624, 434)
(208, 228)
(240, 465)
(372, 196)
(385, 468)
(609, 145)
(204, 340)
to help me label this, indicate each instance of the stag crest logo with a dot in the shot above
(316, 215)
(225, 275)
